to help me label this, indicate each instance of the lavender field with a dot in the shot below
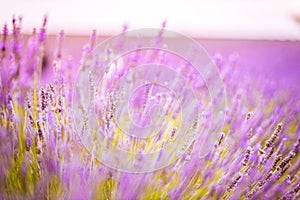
(103, 126)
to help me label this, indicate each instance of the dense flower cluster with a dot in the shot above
(41, 156)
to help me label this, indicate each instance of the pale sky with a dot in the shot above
(242, 19)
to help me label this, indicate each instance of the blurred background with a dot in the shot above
(265, 33)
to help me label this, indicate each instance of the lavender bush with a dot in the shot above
(255, 155)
